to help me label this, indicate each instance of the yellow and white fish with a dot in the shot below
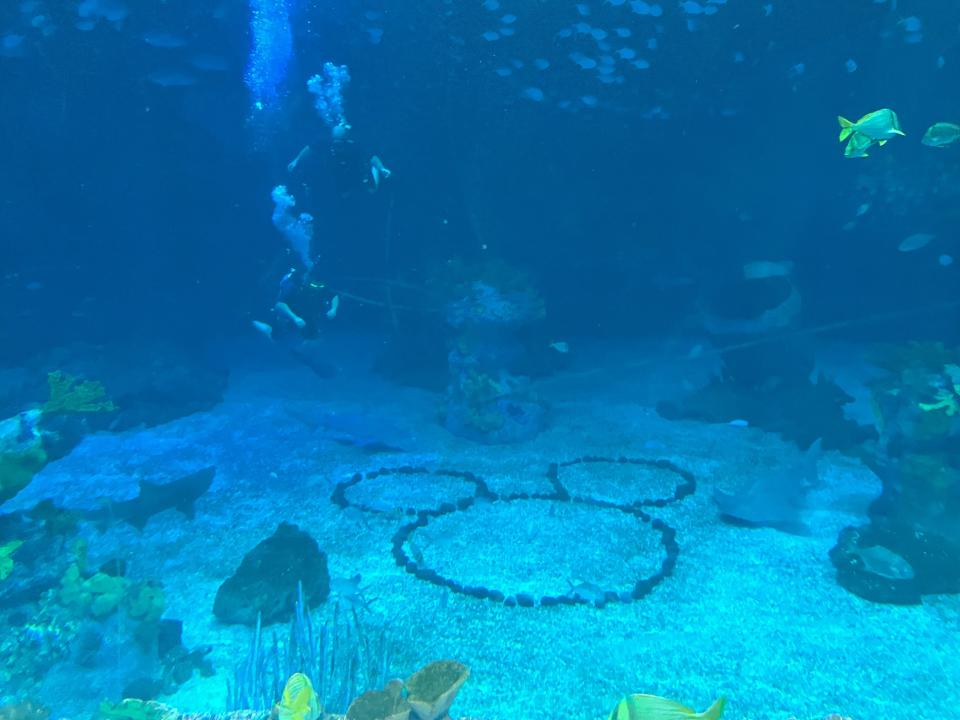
(879, 125)
(299, 701)
(653, 707)
(941, 134)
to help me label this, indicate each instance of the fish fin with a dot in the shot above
(846, 127)
(898, 131)
(882, 143)
(714, 711)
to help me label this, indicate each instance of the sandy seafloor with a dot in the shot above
(753, 614)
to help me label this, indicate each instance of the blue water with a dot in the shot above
(567, 327)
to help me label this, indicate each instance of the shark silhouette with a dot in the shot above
(774, 500)
(179, 494)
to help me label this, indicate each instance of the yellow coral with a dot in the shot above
(6, 558)
(70, 394)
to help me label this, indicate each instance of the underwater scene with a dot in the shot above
(479, 359)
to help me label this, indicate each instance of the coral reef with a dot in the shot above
(69, 394)
(912, 545)
(487, 400)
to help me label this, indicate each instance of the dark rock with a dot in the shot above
(143, 688)
(933, 562)
(525, 600)
(266, 581)
(169, 636)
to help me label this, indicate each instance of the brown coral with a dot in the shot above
(431, 690)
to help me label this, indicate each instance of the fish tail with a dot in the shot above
(846, 127)
(714, 711)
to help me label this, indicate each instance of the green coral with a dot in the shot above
(103, 593)
(98, 595)
(135, 709)
(17, 468)
(144, 601)
(70, 394)
(6, 558)
(946, 400)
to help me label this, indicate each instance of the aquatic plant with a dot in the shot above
(342, 654)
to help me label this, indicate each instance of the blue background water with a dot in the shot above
(146, 205)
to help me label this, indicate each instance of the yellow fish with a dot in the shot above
(858, 146)
(879, 125)
(653, 707)
(299, 701)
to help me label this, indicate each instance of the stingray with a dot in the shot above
(774, 500)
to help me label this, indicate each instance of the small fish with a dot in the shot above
(532, 93)
(862, 209)
(587, 591)
(915, 242)
(263, 328)
(912, 24)
(560, 346)
(739, 423)
(161, 39)
(378, 172)
(883, 561)
(299, 701)
(941, 134)
(172, 78)
(879, 125)
(858, 145)
(349, 592)
(11, 45)
(210, 63)
(945, 260)
(653, 707)
(766, 269)
(850, 65)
